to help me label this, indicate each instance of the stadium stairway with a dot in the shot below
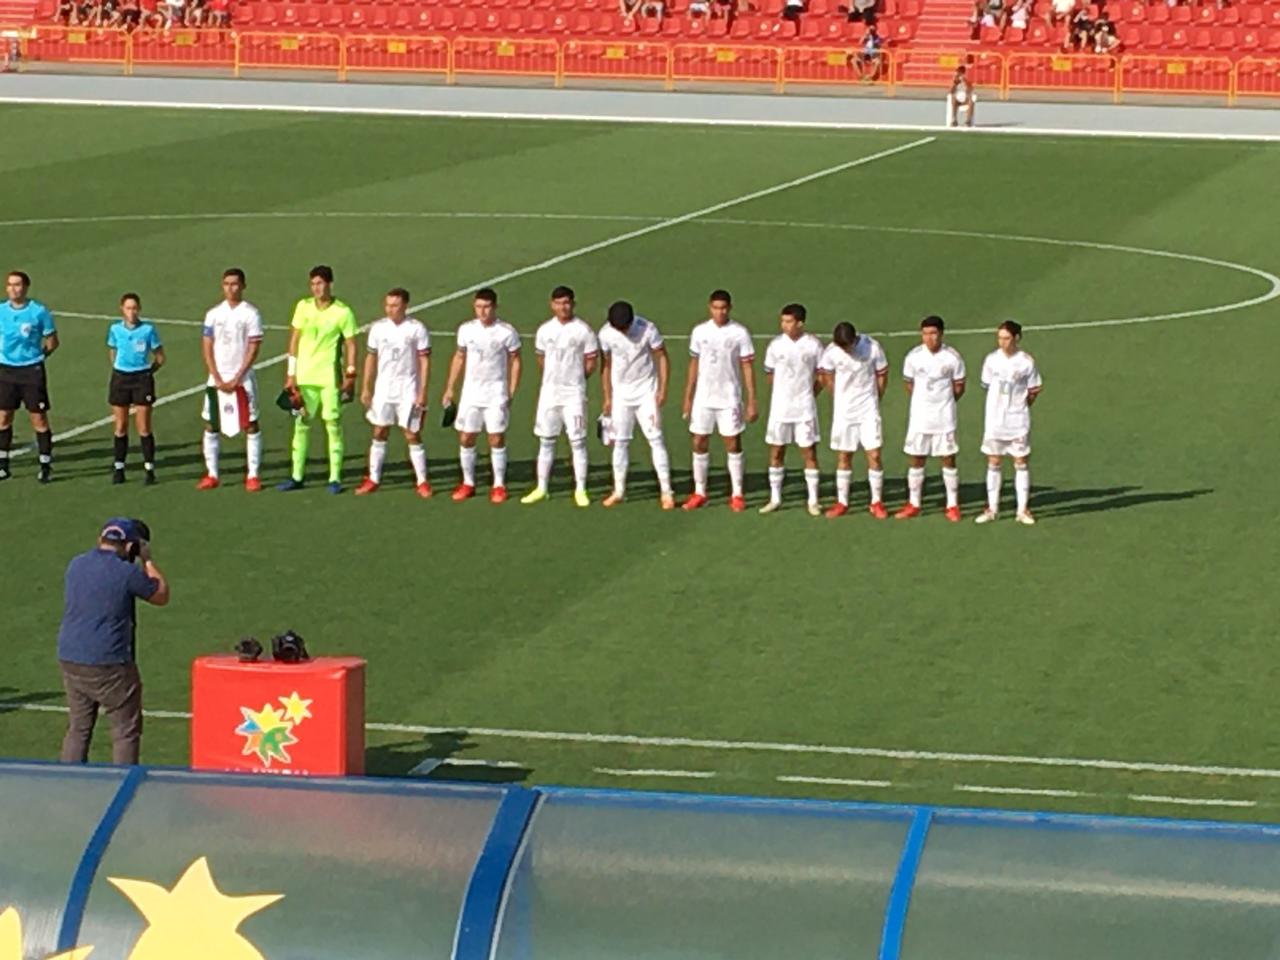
(944, 23)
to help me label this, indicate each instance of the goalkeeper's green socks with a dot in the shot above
(301, 435)
(334, 429)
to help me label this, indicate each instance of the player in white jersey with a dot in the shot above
(934, 374)
(634, 371)
(720, 358)
(567, 352)
(397, 369)
(1012, 382)
(487, 358)
(791, 364)
(855, 370)
(230, 343)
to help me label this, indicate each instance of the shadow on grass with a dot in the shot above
(438, 756)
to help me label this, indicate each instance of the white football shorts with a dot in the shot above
(569, 418)
(250, 384)
(726, 421)
(1021, 447)
(848, 435)
(627, 415)
(931, 445)
(781, 433)
(394, 413)
(490, 419)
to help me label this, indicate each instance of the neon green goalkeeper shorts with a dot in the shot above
(324, 402)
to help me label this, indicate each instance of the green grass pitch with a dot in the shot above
(1132, 623)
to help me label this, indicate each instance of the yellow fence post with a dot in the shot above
(559, 64)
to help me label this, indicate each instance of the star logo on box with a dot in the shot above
(269, 732)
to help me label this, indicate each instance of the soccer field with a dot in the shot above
(921, 661)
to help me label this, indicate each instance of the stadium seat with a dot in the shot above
(1251, 16)
(1250, 40)
(1272, 16)
(489, 22)
(1180, 14)
(1158, 13)
(1131, 36)
(468, 20)
(354, 16)
(559, 24)
(333, 16)
(1228, 16)
(1037, 33)
(1178, 39)
(379, 17)
(1272, 43)
(1201, 38)
(1153, 37)
(1135, 12)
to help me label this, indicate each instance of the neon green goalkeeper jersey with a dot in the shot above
(322, 330)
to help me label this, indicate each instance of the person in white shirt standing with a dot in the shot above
(934, 374)
(567, 351)
(230, 343)
(856, 371)
(720, 358)
(487, 358)
(1012, 382)
(791, 364)
(397, 368)
(634, 370)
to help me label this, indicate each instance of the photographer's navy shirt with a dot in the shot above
(97, 620)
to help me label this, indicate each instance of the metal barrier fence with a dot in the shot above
(671, 64)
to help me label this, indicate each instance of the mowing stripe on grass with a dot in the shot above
(562, 257)
(767, 746)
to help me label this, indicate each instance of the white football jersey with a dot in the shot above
(488, 349)
(398, 347)
(855, 398)
(232, 330)
(633, 374)
(1008, 382)
(794, 365)
(720, 352)
(933, 403)
(563, 347)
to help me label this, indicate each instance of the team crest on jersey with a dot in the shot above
(26, 329)
(269, 732)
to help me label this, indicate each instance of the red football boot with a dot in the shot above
(952, 514)
(695, 501)
(837, 510)
(366, 487)
(252, 485)
(907, 512)
(737, 504)
(209, 483)
(498, 495)
(463, 491)
(878, 511)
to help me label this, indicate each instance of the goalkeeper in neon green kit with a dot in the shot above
(320, 323)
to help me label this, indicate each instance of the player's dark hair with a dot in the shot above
(26, 281)
(796, 311)
(1013, 326)
(844, 335)
(488, 295)
(561, 293)
(401, 293)
(130, 296)
(621, 315)
(720, 295)
(323, 272)
(235, 272)
(934, 321)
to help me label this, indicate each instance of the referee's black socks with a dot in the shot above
(6, 442)
(149, 451)
(120, 447)
(44, 444)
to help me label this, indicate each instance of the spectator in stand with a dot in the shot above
(700, 8)
(110, 15)
(1079, 32)
(1059, 11)
(869, 60)
(174, 12)
(629, 9)
(66, 12)
(130, 15)
(961, 97)
(149, 14)
(1105, 39)
(988, 13)
(219, 14)
(657, 9)
(1020, 15)
(791, 10)
(862, 11)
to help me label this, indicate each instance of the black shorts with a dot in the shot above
(132, 389)
(24, 386)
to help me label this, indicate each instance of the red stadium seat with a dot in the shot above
(911, 8)
(581, 24)
(1206, 13)
(468, 20)
(354, 16)
(1201, 38)
(1251, 15)
(1135, 12)
(489, 22)
(1180, 14)
(1153, 37)
(379, 17)
(1272, 43)
(1272, 15)
(1250, 39)
(1178, 39)
(1225, 38)
(1038, 33)
(1158, 13)
(605, 24)
(559, 24)
(1229, 16)
(513, 21)
(1131, 36)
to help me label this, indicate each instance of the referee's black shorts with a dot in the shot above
(132, 389)
(24, 387)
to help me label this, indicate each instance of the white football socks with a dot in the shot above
(211, 445)
(418, 457)
(467, 458)
(843, 479)
(253, 455)
(915, 485)
(377, 454)
(579, 450)
(546, 457)
(951, 481)
(498, 459)
(1022, 487)
(811, 480)
(735, 472)
(661, 465)
(776, 476)
(701, 467)
(995, 478)
(621, 461)
(875, 480)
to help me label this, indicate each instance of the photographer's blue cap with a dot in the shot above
(120, 530)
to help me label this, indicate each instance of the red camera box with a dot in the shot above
(299, 719)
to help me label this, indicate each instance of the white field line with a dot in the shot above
(688, 120)
(651, 772)
(767, 746)
(472, 762)
(835, 781)
(569, 255)
(1018, 791)
(1191, 801)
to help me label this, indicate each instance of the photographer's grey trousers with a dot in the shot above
(117, 689)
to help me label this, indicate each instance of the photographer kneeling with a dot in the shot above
(97, 643)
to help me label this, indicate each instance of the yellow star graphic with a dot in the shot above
(194, 920)
(11, 940)
(295, 708)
